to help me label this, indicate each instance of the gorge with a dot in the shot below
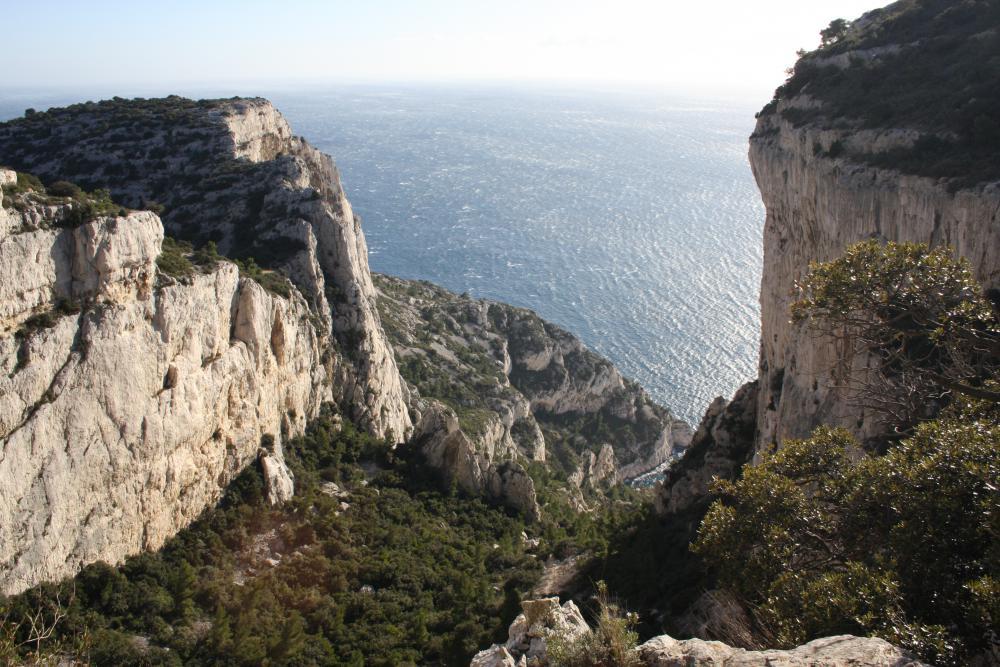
(241, 442)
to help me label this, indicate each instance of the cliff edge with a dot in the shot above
(889, 132)
(231, 172)
(129, 398)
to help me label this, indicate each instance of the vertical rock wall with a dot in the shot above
(816, 207)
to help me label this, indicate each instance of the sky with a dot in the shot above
(713, 45)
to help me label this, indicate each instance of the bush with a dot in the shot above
(272, 281)
(87, 207)
(63, 189)
(900, 546)
(405, 575)
(920, 318)
(173, 259)
(611, 643)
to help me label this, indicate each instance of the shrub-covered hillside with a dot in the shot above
(926, 65)
(369, 564)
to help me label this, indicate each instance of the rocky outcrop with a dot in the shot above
(232, 172)
(822, 193)
(483, 464)
(129, 399)
(521, 390)
(840, 651)
(722, 445)
(528, 635)
(543, 619)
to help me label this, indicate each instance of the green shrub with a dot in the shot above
(611, 643)
(406, 575)
(63, 189)
(87, 207)
(272, 281)
(901, 546)
(173, 259)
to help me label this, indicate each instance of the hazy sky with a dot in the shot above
(717, 45)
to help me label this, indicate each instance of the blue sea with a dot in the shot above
(629, 218)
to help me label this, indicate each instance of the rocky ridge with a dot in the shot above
(231, 172)
(543, 619)
(128, 398)
(830, 178)
(720, 447)
(230, 369)
(501, 391)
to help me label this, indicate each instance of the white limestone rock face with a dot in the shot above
(482, 464)
(232, 172)
(122, 422)
(840, 651)
(258, 130)
(816, 207)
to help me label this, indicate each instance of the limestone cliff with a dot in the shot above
(231, 172)
(848, 152)
(515, 390)
(720, 447)
(129, 399)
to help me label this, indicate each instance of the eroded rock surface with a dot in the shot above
(542, 619)
(528, 635)
(129, 399)
(840, 651)
(504, 388)
(822, 193)
(722, 445)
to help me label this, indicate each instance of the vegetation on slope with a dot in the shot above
(823, 539)
(451, 348)
(180, 258)
(76, 207)
(925, 65)
(401, 574)
(381, 569)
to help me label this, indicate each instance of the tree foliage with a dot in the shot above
(903, 546)
(403, 574)
(833, 32)
(918, 316)
(822, 538)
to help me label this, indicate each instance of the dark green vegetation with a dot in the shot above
(902, 546)
(78, 207)
(649, 567)
(401, 573)
(920, 312)
(47, 319)
(120, 125)
(173, 259)
(818, 540)
(405, 575)
(942, 82)
(171, 155)
(180, 258)
(611, 643)
(451, 348)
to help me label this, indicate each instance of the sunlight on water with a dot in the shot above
(633, 222)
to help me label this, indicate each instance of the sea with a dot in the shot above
(628, 217)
